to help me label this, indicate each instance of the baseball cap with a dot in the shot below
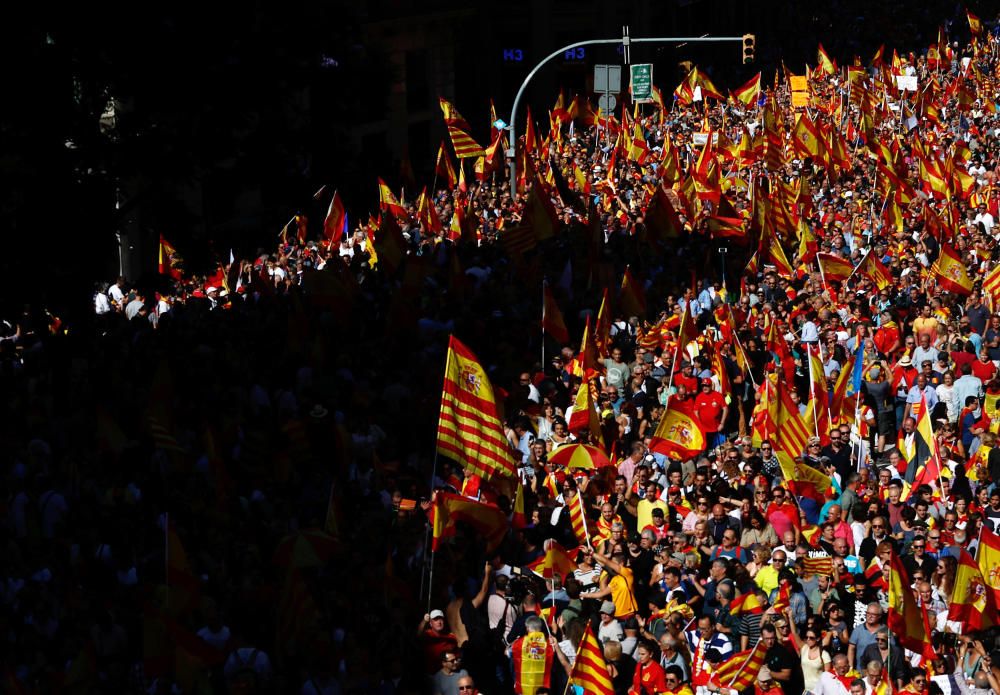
(608, 607)
(437, 613)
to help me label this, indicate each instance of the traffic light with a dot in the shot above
(749, 48)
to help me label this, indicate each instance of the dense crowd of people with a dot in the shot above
(223, 484)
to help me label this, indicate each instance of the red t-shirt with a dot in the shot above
(960, 357)
(709, 407)
(689, 382)
(983, 371)
(650, 677)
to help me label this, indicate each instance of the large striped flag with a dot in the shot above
(950, 272)
(971, 603)
(459, 129)
(739, 671)
(821, 564)
(469, 429)
(679, 436)
(590, 671)
(792, 434)
(447, 509)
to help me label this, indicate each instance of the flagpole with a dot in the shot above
(583, 515)
(543, 322)
(166, 556)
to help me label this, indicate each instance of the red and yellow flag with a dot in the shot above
(590, 671)
(336, 216)
(991, 288)
(834, 267)
(518, 519)
(469, 429)
(971, 602)
(577, 517)
(871, 267)
(444, 169)
(633, 298)
(739, 671)
(171, 262)
(459, 130)
(950, 272)
(905, 618)
(989, 561)
(678, 436)
(749, 93)
(748, 603)
(824, 66)
(552, 319)
(447, 509)
(802, 479)
(584, 416)
(975, 26)
(556, 561)
(387, 201)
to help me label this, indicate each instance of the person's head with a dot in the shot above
(645, 651)
(534, 624)
(706, 627)
(450, 661)
(466, 686)
(437, 620)
(873, 614)
(673, 675)
(768, 635)
(882, 639)
(858, 687)
(779, 559)
(841, 664)
(873, 671)
(729, 538)
(840, 547)
(612, 651)
(607, 512)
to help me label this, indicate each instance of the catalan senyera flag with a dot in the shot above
(975, 26)
(747, 603)
(577, 517)
(459, 130)
(678, 436)
(791, 433)
(552, 318)
(749, 93)
(991, 288)
(950, 272)
(447, 509)
(802, 479)
(905, 619)
(822, 564)
(971, 602)
(336, 216)
(740, 670)
(469, 429)
(988, 556)
(387, 201)
(590, 671)
(834, 267)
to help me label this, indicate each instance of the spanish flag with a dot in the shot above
(518, 519)
(989, 561)
(749, 93)
(834, 267)
(171, 262)
(444, 169)
(971, 603)
(825, 65)
(802, 479)
(556, 561)
(590, 671)
(975, 26)
(748, 603)
(447, 509)
(459, 129)
(387, 201)
(678, 436)
(950, 272)
(906, 619)
(469, 429)
(584, 416)
(336, 217)
(698, 83)
(808, 141)
(871, 267)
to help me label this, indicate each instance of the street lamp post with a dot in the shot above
(625, 41)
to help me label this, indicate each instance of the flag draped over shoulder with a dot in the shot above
(447, 509)
(459, 130)
(590, 671)
(469, 429)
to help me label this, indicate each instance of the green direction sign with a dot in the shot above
(642, 82)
